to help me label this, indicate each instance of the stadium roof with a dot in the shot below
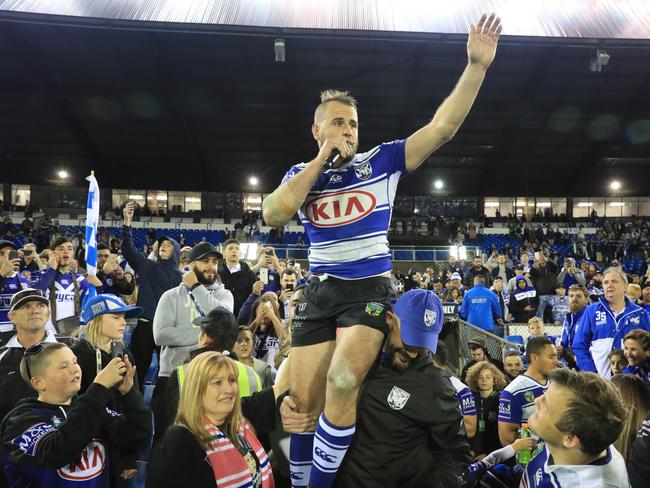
(200, 107)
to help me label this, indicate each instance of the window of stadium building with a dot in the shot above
(184, 201)
(120, 197)
(252, 202)
(611, 207)
(20, 195)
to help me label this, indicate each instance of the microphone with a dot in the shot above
(333, 158)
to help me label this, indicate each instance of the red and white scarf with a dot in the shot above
(229, 466)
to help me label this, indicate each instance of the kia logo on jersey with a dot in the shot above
(90, 464)
(342, 208)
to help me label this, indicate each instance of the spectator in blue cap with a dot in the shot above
(105, 317)
(408, 412)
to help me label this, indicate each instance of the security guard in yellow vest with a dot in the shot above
(218, 333)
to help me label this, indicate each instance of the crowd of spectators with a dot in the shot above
(179, 302)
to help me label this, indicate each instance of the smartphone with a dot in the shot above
(264, 275)
(296, 266)
(536, 256)
(117, 349)
(13, 255)
(289, 287)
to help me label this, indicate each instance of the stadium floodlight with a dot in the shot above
(438, 184)
(63, 174)
(253, 181)
(615, 185)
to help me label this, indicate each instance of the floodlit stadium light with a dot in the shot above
(615, 185)
(438, 184)
(253, 181)
(63, 174)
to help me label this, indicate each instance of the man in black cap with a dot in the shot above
(199, 292)
(479, 351)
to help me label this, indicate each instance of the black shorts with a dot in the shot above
(324, 306)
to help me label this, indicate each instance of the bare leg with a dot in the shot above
(308, 375)
(356, 350)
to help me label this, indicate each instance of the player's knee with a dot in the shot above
(342, 378)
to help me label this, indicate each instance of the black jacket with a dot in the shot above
(473, 273)
(240, 283)
(110, 284)
(156, 277)
(638, 467)
(408, 426)
(46, 442)
(544, 278)
(87, 360)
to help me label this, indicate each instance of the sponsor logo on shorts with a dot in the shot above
(374, 309)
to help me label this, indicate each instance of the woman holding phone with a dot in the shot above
(102, 340)
(266, 327)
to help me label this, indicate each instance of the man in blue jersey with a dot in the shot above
(605, 323)
(10, 284)
(346, 208)
(578, 301)
(65, 288)
(579, 417)
(517, 401)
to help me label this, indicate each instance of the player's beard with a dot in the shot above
(398, 358)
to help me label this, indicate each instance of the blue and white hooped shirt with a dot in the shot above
(347, 213)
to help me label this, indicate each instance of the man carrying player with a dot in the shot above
(346, 210)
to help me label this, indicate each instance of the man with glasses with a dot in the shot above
(10, 284)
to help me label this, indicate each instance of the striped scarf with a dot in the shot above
(228, 464)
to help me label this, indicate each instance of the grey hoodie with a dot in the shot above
(172, 324)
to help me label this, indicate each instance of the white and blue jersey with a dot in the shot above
(559, 307)
(64, 291)
(605, 472)
(465, 397)
(10, 286)
(600, 330)
(643, 372)
(347, 213)
(517, 400)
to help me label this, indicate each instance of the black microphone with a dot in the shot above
(333, 158)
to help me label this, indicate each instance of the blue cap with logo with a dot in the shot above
(107, 303)
(421, 316)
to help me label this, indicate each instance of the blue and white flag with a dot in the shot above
(92, 219)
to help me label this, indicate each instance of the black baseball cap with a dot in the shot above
(5, 243)
(203, 249)
(219, 322)
(27, 295)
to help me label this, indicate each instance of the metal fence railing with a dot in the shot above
(522, 330)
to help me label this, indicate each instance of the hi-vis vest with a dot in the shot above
(246, 376)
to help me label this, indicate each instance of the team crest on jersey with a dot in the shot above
(429, 317)
(363, 170)
(529, 396)
(635, 320)
(397, 398)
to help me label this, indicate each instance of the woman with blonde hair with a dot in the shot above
(210, 444)
(102, 340)
(487, 382)
(637, 401)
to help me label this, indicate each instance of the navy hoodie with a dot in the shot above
(156, 277)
